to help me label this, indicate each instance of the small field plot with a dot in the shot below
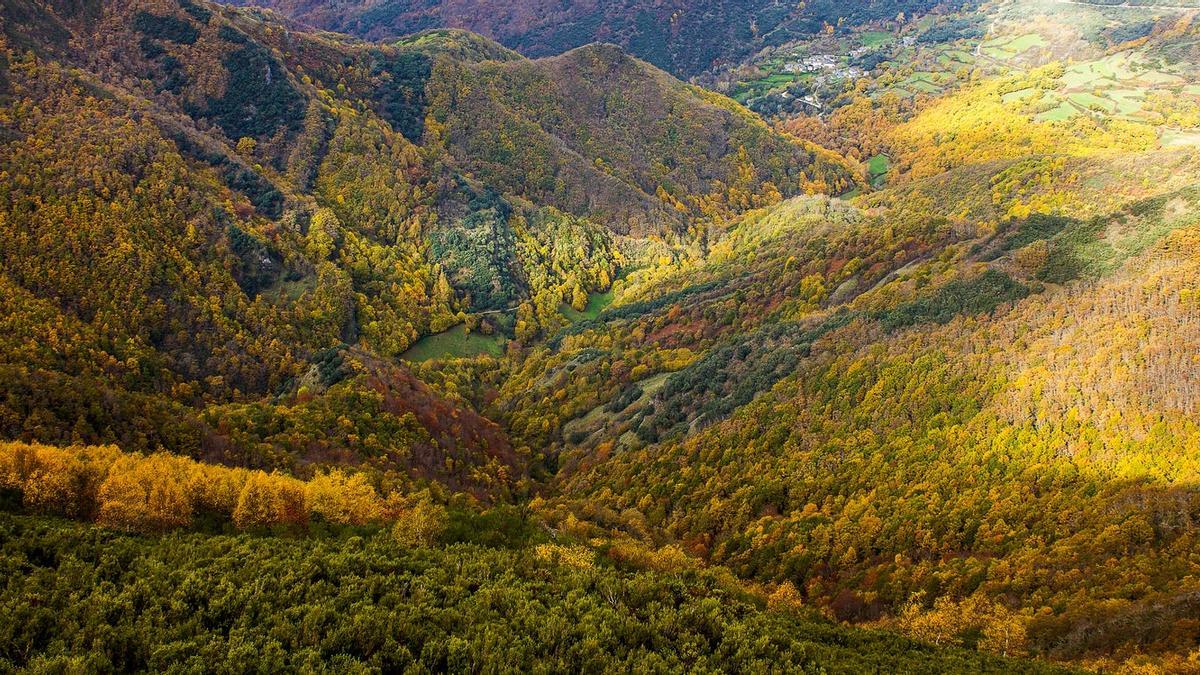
(921, 84)
(1157, 77)
(874, 38)
(595, 304)
(1128, 101)
(1011, 46)
(456, 343)
(1064, 111)
(1093, 102)
(877, 168)
(1018, 95)
(1172, 138)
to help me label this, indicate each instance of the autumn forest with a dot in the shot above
(698, 335)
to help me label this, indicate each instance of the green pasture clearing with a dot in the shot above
(595, 304)
(1121, 66)
(1128, 101)
(780, 78)
(764, 85)
(922, 82)
(875, 38)
(924, 87)
(652, 384)
(1017, 95)
(1079, 75)
(952, 59)
(1008, 47)
(1088, 81)
(455, 343)
(292, 290)
(877, 168)
(1108, 71)
(598, 417)
(1091, 101)
(995, 53)
(1172, 138)
(1026, 42)
(879, 164)
(1064, 111)
(1159, 77)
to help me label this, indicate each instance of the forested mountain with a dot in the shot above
(683, 37)
(424, 354)
(232, 228)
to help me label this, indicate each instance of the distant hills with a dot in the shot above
(685, 38)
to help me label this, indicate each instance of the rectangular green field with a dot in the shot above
(1087, 100)
(1128, 101)
(1017, 95)
(875, 38)
(1064, 111)
(924, 86)
(455, 343)
(595, 304)
(1025, 42)
(878, 165)
(1008, 47)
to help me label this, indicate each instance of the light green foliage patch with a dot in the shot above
(1010, 46)
(873, 39)
(455, 343)
(1088, 100)
(595, 304)
(1064, 111)
(1017, 95)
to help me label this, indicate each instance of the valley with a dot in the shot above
(486, 337)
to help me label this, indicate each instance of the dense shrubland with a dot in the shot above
(361, 601)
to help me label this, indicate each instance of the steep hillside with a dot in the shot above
(600, 134)
(219, 232)
(564, 363)
(960, 405)
(909, 412)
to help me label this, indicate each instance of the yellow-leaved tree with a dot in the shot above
(145, 494)
(421, 522)
(268, 500)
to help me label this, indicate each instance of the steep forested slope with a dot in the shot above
(598, 133)
(593, 343)
(219, 232)
(991, 420)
